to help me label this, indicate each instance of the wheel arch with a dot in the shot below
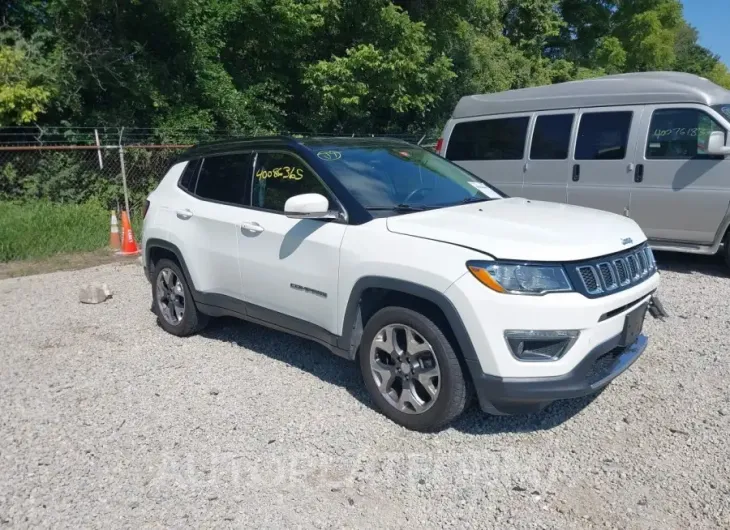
(370, 293)
(157, 249)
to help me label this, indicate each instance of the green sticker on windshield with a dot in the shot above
(329, 156)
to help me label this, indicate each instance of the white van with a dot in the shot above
(650, 146)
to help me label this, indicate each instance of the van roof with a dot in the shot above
(643, 88)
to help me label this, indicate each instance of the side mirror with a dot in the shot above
(716, 144)
(309, 206)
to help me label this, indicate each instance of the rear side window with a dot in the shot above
(603, 135)
(680, 134)
(188, 178)
(224, 179)
(551, 139)
(499, 139)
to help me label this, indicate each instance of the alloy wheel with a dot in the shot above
(170, 296)
(405, 369)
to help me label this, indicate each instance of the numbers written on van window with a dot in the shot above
(677, 131)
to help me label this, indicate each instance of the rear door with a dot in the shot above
(603, 159)
(205, 224)
(681, 193)
(548, 168)
(492, 148)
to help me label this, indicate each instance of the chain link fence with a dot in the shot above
(76, 165)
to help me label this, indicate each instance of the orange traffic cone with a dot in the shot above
(129, 247)
(115, 241)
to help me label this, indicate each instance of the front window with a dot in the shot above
(678, 134)
(392, 176)
(279, 177)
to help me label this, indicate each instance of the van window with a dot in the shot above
(224, 179)
(499, 139)
(603, 135)
(680, 134)
(551, 139)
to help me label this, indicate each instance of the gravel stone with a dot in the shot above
(107, 421)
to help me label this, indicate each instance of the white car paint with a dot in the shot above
(521, 229)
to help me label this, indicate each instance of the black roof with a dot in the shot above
(234, 143)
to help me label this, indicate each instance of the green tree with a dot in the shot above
(25, 90)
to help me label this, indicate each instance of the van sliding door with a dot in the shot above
(601, 173)
(546, 170)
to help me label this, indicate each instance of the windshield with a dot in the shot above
(398, 176)
(724, 110)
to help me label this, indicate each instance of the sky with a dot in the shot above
(710, 19)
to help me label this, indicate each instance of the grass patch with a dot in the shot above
(40, 229)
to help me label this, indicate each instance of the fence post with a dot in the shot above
(98, 150)
(124, 172)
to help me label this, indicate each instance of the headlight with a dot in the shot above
(520, 279)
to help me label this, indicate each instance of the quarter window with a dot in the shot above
(603, 135)
(680, 134)
(497, 139)
(551, 139)
(187, 180)
(224, 179)
(280, 176)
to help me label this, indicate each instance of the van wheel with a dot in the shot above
(172, 301)
(411, 370)
(726, 250)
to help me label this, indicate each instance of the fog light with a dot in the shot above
(530, 345)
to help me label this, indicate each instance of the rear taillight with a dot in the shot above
(439, 146)
(146, 207)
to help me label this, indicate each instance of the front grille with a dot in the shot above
(603, 276)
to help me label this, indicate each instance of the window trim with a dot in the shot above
(342, 215)
(482, 119)
(609, 110)
(680, 108)
(573, 130)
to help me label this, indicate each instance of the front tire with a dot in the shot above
(411, 370)
(173, 303)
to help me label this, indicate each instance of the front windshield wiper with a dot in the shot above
(400, 208)
(470, 200)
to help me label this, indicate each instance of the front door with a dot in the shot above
(601, 175)
(290, 266)
(681, 193)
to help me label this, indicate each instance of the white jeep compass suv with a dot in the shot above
(434, 281)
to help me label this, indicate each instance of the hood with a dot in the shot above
(522, 229)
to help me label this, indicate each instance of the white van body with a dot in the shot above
(633, 144)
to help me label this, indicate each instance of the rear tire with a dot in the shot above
(411, 370)
(726, 249)
(172, 301)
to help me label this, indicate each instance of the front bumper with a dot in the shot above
(607, 361)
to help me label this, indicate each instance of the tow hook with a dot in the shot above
(656, 309)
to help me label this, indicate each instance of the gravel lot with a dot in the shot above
(105, 420)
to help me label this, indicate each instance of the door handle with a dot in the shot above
(639, 173)
(184, 214)
(576, 172)
(250, 226)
